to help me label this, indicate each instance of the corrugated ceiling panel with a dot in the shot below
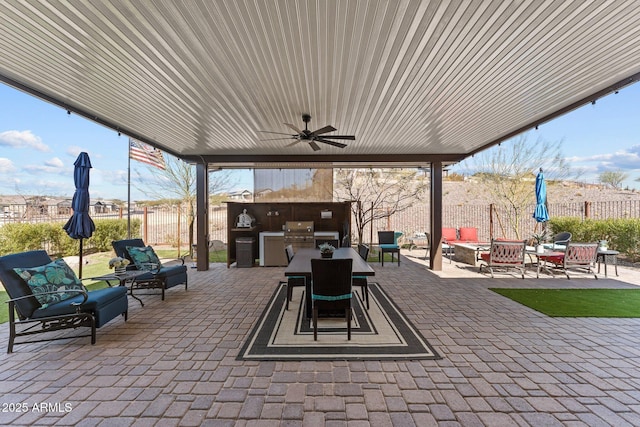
(406, 77)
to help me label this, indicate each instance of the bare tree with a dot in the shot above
(613, 178)
(178, 182)
(508, 172)
(378, 193)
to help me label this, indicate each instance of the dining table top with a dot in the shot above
(300, 265)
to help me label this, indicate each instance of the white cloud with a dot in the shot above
(6, 166)
(54, 163)
(22, 139)
(74, 150)
(53, 166)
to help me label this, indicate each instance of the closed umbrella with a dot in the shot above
(80, 225)
(541, 214)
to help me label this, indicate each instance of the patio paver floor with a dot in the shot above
(173, 362)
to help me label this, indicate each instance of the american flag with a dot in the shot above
(146, 154)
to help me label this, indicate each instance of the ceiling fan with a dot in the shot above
(312, 137)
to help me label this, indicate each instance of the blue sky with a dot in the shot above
(39, 143)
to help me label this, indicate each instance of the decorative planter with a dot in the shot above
(540, 249)
(120, 270)
(326, 254)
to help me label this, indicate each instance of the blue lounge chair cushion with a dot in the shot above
(105, 304)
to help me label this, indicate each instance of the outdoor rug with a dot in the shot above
(380, 333)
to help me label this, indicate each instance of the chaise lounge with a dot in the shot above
(158, 276)
(46, 296)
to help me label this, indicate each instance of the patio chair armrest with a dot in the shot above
(66, 291)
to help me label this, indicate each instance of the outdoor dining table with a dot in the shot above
(300, 265)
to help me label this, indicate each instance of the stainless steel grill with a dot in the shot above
(299, 234)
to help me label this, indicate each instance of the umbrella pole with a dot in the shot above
(80, 265)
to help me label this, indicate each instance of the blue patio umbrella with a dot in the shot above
(540, 213)
(80, 225)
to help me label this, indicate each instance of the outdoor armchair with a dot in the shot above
(46, 296)
(504, 254)
(143, 257)
(577, 256)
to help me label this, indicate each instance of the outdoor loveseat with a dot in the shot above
(158, 276)
(63, 303)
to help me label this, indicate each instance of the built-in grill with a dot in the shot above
(299, 234)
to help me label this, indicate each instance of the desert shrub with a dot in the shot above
(622, 234)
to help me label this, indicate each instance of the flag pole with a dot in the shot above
(129, 191)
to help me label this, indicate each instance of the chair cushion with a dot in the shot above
(56, 276)
(96, 300)
(468, 234)
(556, 259)
(449, 234)
(170, 275)
(389, 246)
(143, 257)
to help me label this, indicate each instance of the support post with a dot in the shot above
(202, 216)
(435, 254)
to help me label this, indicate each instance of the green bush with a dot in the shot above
(623, 235)
(20, 237)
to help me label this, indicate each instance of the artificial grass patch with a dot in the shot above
(577, 302)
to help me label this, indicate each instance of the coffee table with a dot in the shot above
(469, 253)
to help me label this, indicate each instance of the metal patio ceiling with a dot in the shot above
(415, 81)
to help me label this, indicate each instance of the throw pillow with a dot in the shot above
(56, 276)
(144, 258)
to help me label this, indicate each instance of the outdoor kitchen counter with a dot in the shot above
(317, 235)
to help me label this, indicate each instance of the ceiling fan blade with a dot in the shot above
(290, 126)
(351, 137)
(314, 145)
(323, 130)
(293, 143)
(335, 144)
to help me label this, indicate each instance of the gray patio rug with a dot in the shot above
(380, 333)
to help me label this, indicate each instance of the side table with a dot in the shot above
(127, 279)
(602, 258)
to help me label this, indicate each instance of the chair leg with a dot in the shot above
(365, 292)
(348, 316)
(315, 323)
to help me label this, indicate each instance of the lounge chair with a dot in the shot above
(504, 254)
(159, 276)
(45, 305)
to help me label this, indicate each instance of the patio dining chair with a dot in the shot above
(331, 288)
(363, 251)
(291, 280)
(388, 243)
(577, 256)
(504, 254)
